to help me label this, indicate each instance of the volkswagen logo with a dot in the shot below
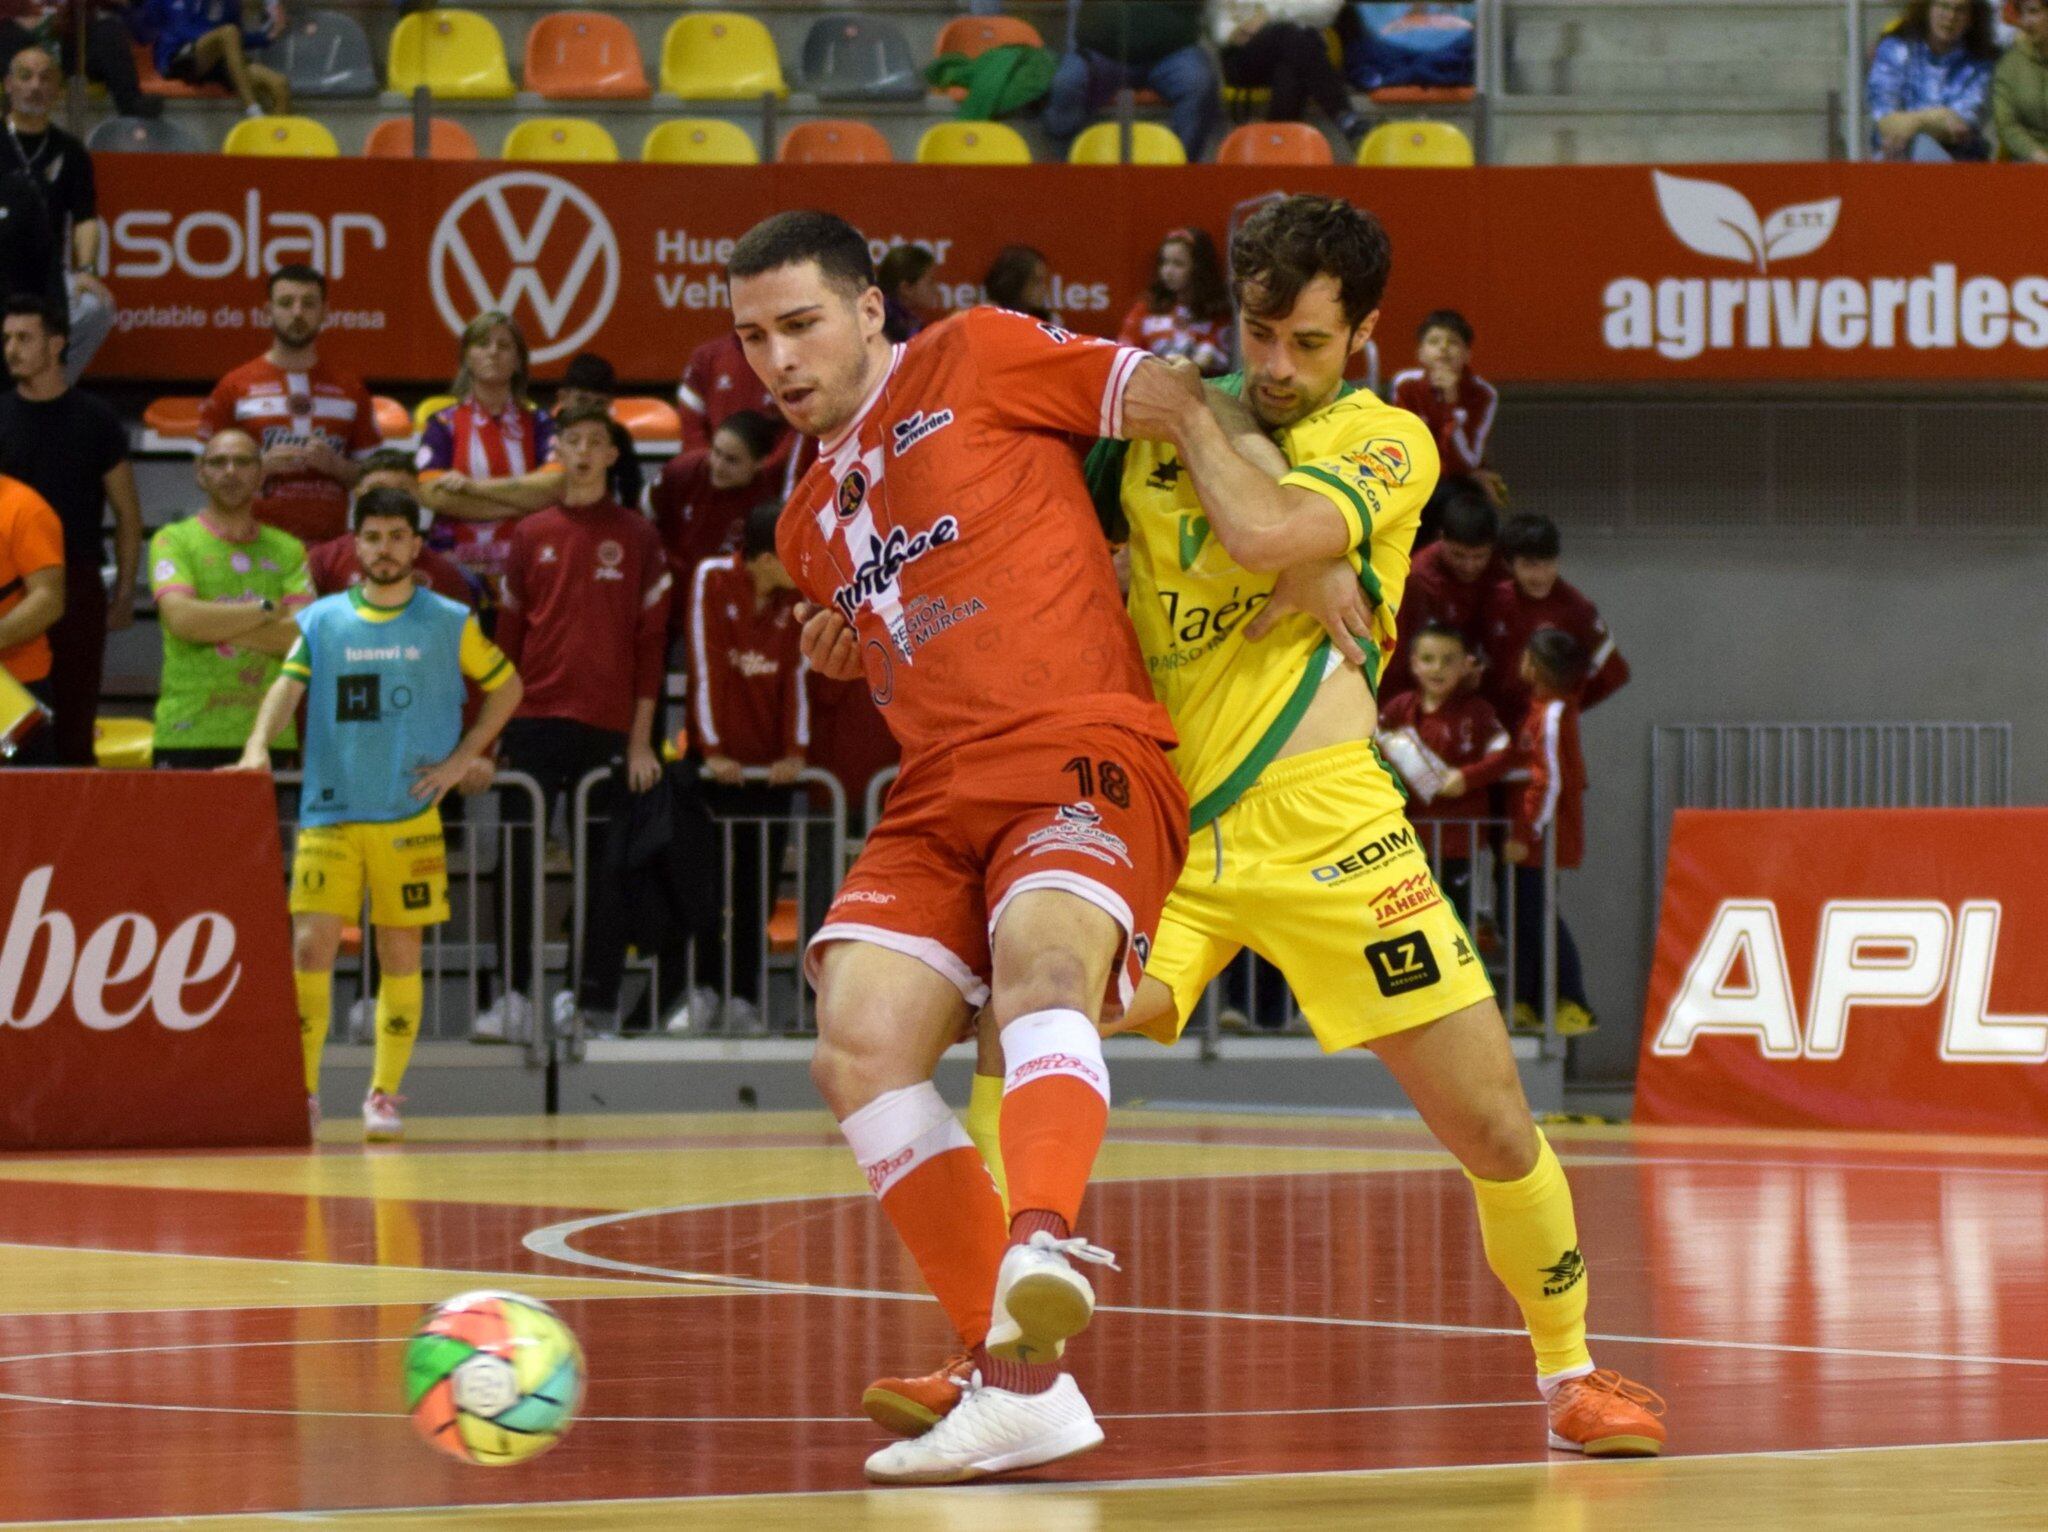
(526, 238)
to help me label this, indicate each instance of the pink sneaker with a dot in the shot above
(381, 1122)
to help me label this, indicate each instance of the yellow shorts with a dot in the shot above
(1317, 870)
(406, 865)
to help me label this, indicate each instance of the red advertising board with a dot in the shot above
(1877, 968)
(145, 963)
(1571, 274)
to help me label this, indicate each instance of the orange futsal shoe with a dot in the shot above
(1605, 1416)
(912, 1406)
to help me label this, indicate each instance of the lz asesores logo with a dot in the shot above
(527, 238)
(1757, 309)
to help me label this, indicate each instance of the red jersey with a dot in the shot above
(281, 408)
(848, 737)
(586, 613)
(334, 566)
(1547, 747)
(1177, 333)
(949, 523)
(1507, 621)
(1460, 424)
(717, 383)
(749, 701)
(1434, 594)
(696, 519)
(1465, 733)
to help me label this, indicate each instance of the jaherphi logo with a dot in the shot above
(526, 240)
(1411, 896)
(1567, 1274)
(853, 489)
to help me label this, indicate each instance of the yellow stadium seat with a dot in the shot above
(458, 55)
(720, 56)
(972, 143)
(428, 408)
(699, 141)
(1151, 144)
(281, 137)
(124, 743)
(1433, 144)
(563, 140)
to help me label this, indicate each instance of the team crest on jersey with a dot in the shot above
(913, 429)
(609, 556)
(1385, 459)
(853, 489)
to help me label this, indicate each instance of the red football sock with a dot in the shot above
(1055, 1112)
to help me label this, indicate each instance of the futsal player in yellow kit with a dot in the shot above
(1300, 848)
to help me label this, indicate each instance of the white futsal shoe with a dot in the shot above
(990, 1431)
(1041, 1299)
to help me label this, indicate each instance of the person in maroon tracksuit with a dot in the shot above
(701, 500)
(1532, 597)
(1448, 583)
(1457, 405)
(586, 614)
(1551, 799)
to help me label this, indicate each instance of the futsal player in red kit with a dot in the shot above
(946, 541)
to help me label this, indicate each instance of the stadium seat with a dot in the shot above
(972, 143)
(281, 138)
(1437, 145)
(720, 56)
(1152, 143)
(124, 744)
(428, 408)
(699, 141)
(828, 142)
(973, 36)
(860, 58)
(394, 422)
(585, 56)
(457, 55)
(651, 421)
(325, 54)
(140, 135)
(173, 418)
(391, 139)
(1423, 95)
(1275, 143)
(561, 140)
(154, 84)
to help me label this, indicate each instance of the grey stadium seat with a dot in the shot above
(325, 53)
(860, 58)
(141, 135)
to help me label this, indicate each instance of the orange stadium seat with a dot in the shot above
(281, 138)
(585, 56)
(455, 54)
(175, 417)
(834, 142)
(561, 140)
(154, 84)
(972, 143)
(1433, 145)
(972, 36)
(648, 419)
(394, 421)
(698, 141)
(1275, 143)
(447, 139)
(720, 56)
(1423, 95)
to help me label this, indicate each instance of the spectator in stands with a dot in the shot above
(210, 42)
(751, 708)
(585, 621)
(488, 458)
(701, 500)
(334, 564)
(1020, 279)
(1449, 581)
(314, 420)
(591, 379)
(109, 46)
(1457, 405)
(1534, 596)
(718, 382)
(1279, 44)
(31, 601)
(71, 449)
(1930, 82)
(226, 587)
(908, 278)
(2019, 89)
(46, 180)
(1113, 45)
(1186, 311)
(1551, 799)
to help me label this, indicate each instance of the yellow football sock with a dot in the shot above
(398, 1027)
(316, 999)
(1532, 1244)
(985, 1125)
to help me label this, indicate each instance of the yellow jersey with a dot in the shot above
(1234, 704)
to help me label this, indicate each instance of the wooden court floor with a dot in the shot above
(1852, 1332)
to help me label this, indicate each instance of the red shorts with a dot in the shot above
(1095, 811)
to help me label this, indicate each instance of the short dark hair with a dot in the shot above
(297, 271)
(1468, 518)
(903, 265)
(56, 317)
(582, 415)
(384, 502)
(760, 432)
(591, 373)
(1286, 245)
(789, 239)
(1009, 274)
(759, 537)
(1436, 627)
(1557, 657)
(1445, 319)
(1530, 536)
(389, 460)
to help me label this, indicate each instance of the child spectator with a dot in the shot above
(1186, 311)
(1020, 279)
(908, 278)
(2019, 89)
(1448, 583)
(591, 379)
(1929, 90)
(1532, 597)
(1449, 747)
(1456, 403)
(1552, 800)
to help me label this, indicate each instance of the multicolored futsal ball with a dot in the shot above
(493, 1378)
